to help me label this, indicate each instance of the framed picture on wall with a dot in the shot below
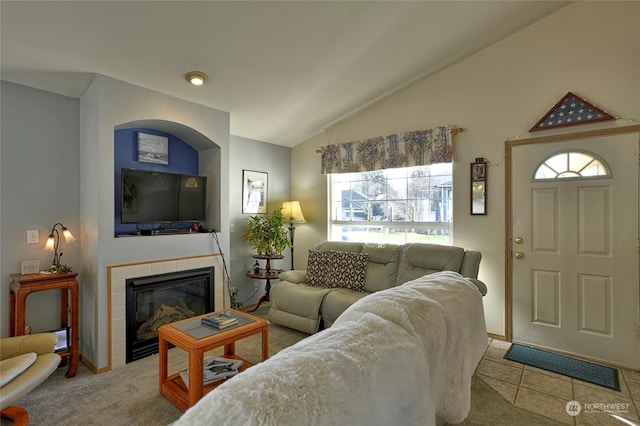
(254, 192)
(153, 148)
(478, 171)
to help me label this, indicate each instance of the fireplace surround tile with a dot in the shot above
(131, 271)
(168, 267)
(156, 269)
(144, 270)
(181, 265)
(118, 274)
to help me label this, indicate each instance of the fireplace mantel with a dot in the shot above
(117, 276)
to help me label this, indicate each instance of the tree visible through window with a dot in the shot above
(393, 205)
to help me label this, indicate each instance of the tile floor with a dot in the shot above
(548, 393)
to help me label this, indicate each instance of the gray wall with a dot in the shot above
(40, 185)
(276, 162)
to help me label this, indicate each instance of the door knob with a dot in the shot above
(519, 255)
(519, 240)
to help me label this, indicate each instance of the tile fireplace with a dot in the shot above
(117, 278)
(156, 300)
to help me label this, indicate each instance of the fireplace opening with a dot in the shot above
(161, 299)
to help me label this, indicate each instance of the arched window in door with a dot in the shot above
(571, 164)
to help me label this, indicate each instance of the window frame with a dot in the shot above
(564, 174)
(396, 231)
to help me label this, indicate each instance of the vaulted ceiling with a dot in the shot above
(284, 70)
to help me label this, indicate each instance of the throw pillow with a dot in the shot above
(347, 269)
(10, 368)
(317, 268)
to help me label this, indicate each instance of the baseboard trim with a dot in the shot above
(93, 367)
(497, 336)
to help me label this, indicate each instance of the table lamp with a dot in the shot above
(53, 242)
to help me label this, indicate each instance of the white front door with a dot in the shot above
(575, 263)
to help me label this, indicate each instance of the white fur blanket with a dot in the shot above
(399, 356)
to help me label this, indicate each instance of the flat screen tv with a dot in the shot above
(149, 196)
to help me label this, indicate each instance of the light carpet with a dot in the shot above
(129, 395)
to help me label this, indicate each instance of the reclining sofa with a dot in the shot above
(339, 273)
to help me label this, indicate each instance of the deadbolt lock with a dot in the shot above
(519, 240)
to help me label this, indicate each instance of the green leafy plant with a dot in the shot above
(233, 294)
(60, 268)
(267, 234)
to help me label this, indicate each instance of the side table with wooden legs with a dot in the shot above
(266, 273)
(24, 285)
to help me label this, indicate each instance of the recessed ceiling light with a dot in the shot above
(197, 78)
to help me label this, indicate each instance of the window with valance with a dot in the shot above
(395, 188)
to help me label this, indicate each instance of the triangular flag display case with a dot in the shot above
(571, 111)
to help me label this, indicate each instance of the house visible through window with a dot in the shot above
(393, 205)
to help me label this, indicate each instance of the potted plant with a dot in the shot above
(233, 298)
(267, 234)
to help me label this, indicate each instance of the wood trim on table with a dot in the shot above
(172, 386)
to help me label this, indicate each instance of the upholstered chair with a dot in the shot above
(25, 362)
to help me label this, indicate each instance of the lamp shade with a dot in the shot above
(292, 212)
(49, 246)
(68, 236)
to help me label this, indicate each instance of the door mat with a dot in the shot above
(570, 367)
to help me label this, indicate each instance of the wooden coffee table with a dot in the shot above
(197, 339)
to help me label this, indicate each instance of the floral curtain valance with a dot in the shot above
(407, 149)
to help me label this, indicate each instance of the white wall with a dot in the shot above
(40, 186)
(589, 48)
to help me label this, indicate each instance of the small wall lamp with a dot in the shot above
(53, 242)
(197, 78)
(292, 213)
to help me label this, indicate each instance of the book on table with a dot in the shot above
(220, 320)
(216, 368)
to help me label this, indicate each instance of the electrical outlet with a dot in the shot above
(33, 236)
(232, 227)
